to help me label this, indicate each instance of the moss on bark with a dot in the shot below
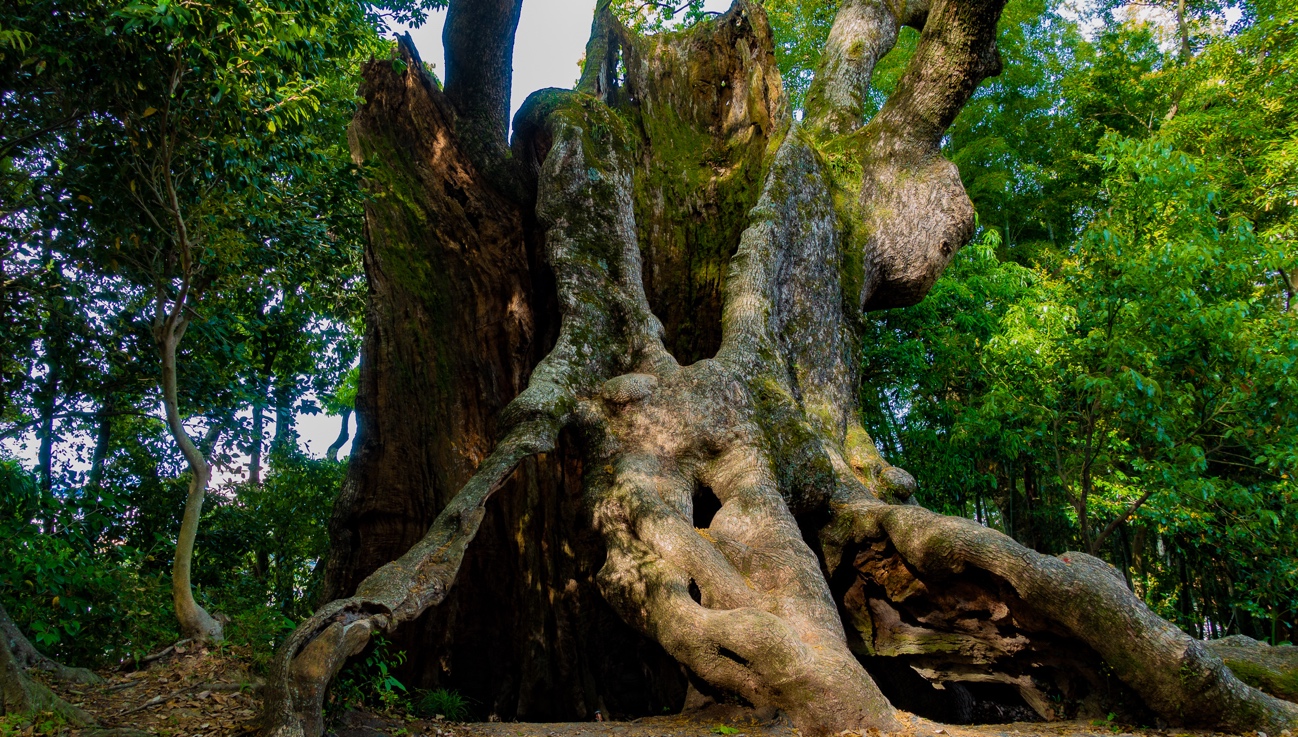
(668, 187)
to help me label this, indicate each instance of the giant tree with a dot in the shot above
(608, 389)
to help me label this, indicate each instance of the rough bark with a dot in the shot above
(479, 41)
(915, 211)
(705, 106)
(740, 512)
(19, 693)
(452, 337)
(1266, 668)
(863, 31)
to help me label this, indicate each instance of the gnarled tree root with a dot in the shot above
(19, 693)
(1178, 677)
(764, 431)
(27, 656)
(396, 593)
(739, 599)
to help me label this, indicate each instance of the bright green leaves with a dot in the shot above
(167, 150)
(800, 28)
(1149, 372)
(1149, 361)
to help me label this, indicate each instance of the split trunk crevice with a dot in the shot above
(608, 390)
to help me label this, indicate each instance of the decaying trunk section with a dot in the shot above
(459, 315)
(704, 107)
(1078, 596)
(608, 390)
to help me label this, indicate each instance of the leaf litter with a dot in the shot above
(200, 692)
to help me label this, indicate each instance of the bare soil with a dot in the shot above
(204, 693)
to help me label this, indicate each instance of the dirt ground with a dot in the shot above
(201, 693)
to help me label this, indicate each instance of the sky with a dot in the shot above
(551, 39)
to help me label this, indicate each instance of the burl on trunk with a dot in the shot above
(609, 390)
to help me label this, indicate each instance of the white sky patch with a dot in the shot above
(551, 40)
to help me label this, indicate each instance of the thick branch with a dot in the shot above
(479, 41)
(863, 32)
(915, 210)
(396, 593)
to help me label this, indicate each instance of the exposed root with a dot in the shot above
(606, 325)
(20, 694)
(396, 593)
(1175, 675)
(766, 430)
(1266, 668)
(27, 656)
(741, 603)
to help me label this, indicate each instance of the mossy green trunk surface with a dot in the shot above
(609, 392)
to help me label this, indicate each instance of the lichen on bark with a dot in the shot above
(661, 284)
(706, 109)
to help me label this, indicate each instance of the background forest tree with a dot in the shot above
(1108, 367)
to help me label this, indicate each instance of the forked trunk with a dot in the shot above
(608, 390)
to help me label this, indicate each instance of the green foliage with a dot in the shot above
(370, 683)
(1110, 365)
(449, 703)
(800, 28)
(158, 156)
(78, 596)
(1117, 373)
(261, 541)
(32, 725)
(654, 16)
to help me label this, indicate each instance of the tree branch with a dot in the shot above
(1117, 521)
(479, 41)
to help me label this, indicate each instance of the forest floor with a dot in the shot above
(205, 693)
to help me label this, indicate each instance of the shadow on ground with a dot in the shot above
(207, 693)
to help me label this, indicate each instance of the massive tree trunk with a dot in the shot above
(608, 389)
